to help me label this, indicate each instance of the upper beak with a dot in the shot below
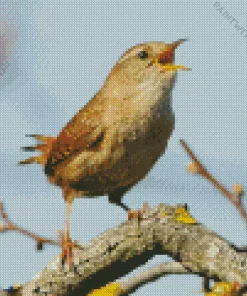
(166, 57)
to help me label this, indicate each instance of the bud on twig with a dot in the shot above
(193, 168)
(238, 189)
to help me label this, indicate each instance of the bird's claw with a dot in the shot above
(67, 247)
(138, 214)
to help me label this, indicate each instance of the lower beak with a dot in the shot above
(172, 67)
(166, 57)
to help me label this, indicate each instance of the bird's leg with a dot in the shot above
(67, 244)
(121, 204)
(116, 197)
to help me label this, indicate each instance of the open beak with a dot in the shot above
(165, 58)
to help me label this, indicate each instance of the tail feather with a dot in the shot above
(44, 148)
(41, 138)
(40, 147)
(35, 159)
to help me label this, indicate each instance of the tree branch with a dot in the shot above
(125, 287)
(164, 229)
(151, 274)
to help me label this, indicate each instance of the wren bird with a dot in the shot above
(116, 138)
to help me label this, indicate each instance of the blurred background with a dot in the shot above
(55, 55)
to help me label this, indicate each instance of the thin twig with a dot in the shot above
(235, 199)
(10, 226)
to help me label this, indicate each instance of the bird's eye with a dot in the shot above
(143, 54)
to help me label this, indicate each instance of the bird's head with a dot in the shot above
(145, 65)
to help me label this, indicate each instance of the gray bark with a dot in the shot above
(120, 250)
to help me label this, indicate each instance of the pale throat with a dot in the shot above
(155, 96)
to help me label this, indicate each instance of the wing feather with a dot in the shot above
(83, 133)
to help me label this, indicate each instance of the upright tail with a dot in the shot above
(44, 148)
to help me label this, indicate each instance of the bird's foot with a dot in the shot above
(67, 255)
(138, 214)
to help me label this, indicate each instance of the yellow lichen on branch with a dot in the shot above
(182, 215)
(225, 289)
(112, 289)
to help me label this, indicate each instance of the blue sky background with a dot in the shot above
(58, 54)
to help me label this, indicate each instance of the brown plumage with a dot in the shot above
(112, 142)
